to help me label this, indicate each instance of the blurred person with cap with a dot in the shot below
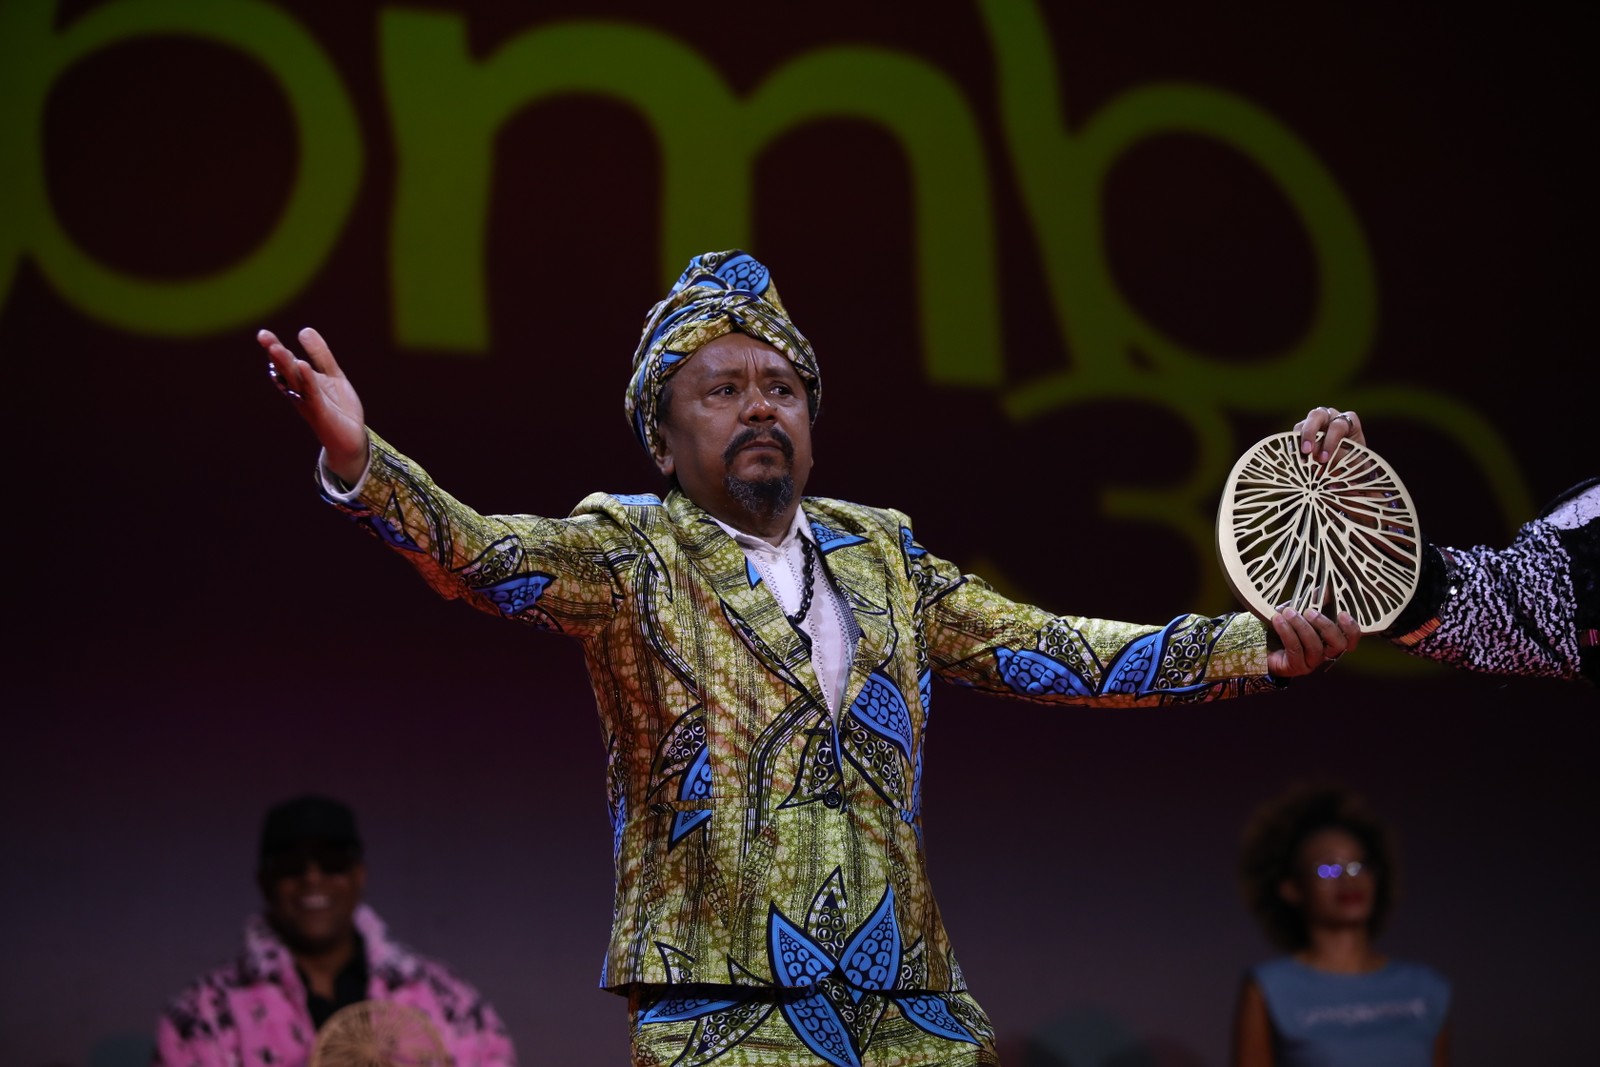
(316, 948)
(762, 662)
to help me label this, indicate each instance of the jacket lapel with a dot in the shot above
(751, 609)
(858, 569)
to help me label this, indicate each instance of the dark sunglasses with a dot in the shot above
(330, 859)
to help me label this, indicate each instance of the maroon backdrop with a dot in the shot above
(196, 636)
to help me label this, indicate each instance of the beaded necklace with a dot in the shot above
(807, 581)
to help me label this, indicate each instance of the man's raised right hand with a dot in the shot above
(325, 399)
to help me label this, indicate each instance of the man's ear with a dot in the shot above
(1289, 891)
(661, 452)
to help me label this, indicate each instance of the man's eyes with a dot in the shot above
(730, 390)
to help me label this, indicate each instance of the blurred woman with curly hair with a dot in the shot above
(1318, 871)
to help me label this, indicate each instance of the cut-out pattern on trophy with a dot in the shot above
(1343, 536)
(379, 1033)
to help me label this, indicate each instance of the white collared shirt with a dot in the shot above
(829, 622)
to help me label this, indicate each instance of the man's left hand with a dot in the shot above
(1309, 641)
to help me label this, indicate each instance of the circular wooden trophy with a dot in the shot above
(1343, 536)
(379, 1033)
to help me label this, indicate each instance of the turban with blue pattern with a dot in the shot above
(718, 293)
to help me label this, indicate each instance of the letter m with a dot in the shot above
(447, 108)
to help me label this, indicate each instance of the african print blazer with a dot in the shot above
(757, 840)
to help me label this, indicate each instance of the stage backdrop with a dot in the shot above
(1061, 264)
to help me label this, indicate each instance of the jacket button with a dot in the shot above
(832, 798)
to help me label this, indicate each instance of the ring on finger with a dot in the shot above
(282, 383)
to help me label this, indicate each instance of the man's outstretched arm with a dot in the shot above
(979, 638)
(556, 574)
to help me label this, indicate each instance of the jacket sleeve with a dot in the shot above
(1532, 608)
(978, 638)
(560, 575)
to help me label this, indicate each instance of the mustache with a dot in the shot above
(756, 433)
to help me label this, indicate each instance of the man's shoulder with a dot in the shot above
(622, 507)
(433, 985)
(858, 516)
(206, 996)
(444, 980)
(841, 523)
(397, 965)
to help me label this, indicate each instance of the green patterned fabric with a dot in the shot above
(753, 1028)
(759, 840)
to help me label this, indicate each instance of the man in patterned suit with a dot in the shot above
(762, 663)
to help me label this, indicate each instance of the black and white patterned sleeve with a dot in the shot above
(1530, 609)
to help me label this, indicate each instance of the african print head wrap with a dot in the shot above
(718, 293)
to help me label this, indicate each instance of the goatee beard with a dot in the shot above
(767, 497)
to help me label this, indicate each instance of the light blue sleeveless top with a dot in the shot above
(1389, 1018)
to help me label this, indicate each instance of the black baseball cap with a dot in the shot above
(309, 818)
